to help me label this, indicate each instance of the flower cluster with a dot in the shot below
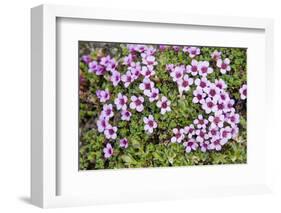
(210, 130)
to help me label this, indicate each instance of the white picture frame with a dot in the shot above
(44, 153)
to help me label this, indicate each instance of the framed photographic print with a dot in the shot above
(147, 105)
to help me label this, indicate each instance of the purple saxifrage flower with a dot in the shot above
(164, 105)
(146, 86)
(127, 78)
(184, 84)
(150, 124)
(147, 71)
(86, 59)
(177, 73)
(201, 122)
(102, 123)
(137, 103)
(178, 135)
(199, 96)
(224, 65)
(121, 102)
(123, 143)
(107, 111)
(193, 51)
(216, 55)
(110, 132)
(153, 94)
(108, 150)
(103, 95)
(126, 115)
(243, 92)
(115, 78)
(193, 68)
(190, 145)
(204, 68)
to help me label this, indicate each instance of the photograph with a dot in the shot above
(160, 105)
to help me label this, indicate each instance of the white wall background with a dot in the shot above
(15, 98)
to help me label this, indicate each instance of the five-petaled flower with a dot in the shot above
(190, 145)
(126, 115)
(121, 102)
(150, 124)
(193, 68)
(115, 78)
(153, 94)
(103, 95)
(193, 51)
(146, 86)
(184, 83)
(110, 132)
(137, 103)
(216, 55)
(224, 65)
(123, 143)
(108, 150)
(204, 68)
(107, 111)
(164, 105)
(178, 135)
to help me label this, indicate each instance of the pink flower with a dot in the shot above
(110, 132)
(213, 131)
(209, 106)
(102, 123)
(136, 71)
(86, 59)
(137, 103)
(225, 134)
(177, 73)
(103, 95)
(193, 68)
(216, 143)
(148, 59)
(204, 68)
(201, 122)
(105, 60)
(220, 84)
(216, 55)
(153, 94)
(184, 84)
(176, 48)
(201, 135)
(223, 65)
(217, 119)
(199, 96)
(164, 105)
(203, 82)
(243, 92)
(170, 67)
(108, 151)
(123, 143)
(146, 85)
(213, 92)
(150, 124)
(111, 65)
(190, 145)
(233, 118)
(127, 78)
(178, 135)
(193, 51)
(234, 131)
(147, 71)
(128, 59)
(93, 66)
(121, 102)
(107, 111)
(204, 146)
(126, 115)
(115, 78)
(189, 130)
